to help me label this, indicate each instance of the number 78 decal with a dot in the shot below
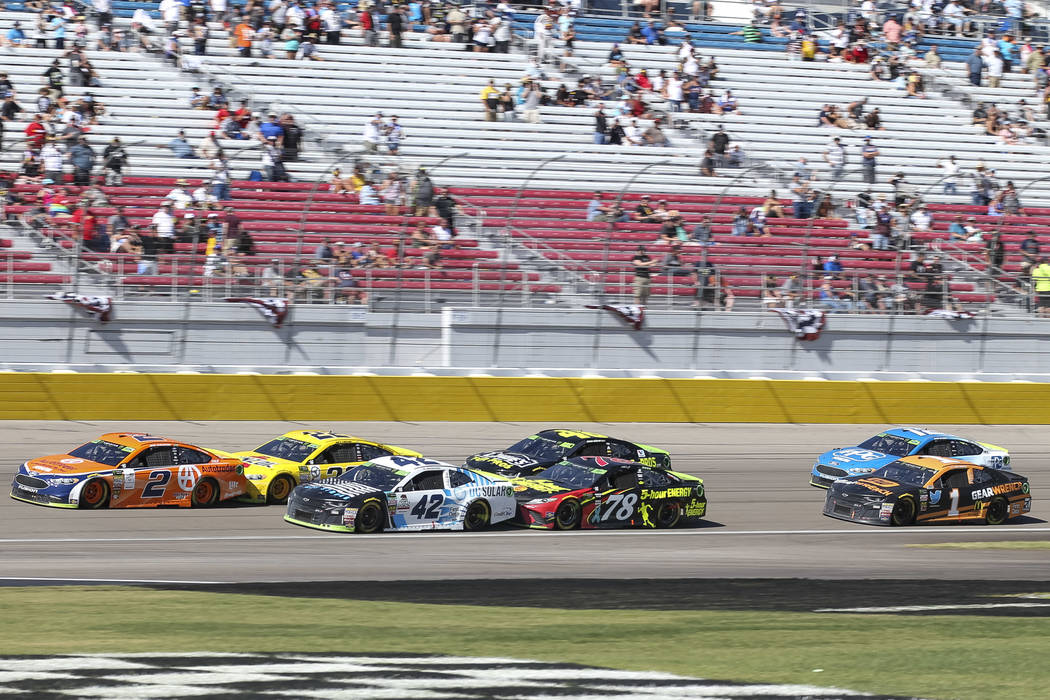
(625, 502)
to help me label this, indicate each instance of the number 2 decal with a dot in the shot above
(423, 511)
(155, 483)
(954, 495)
(626, 503)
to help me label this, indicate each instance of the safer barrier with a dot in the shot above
(137, 397)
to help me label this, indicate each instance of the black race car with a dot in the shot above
(929, 490)
(605, 492)
(537, 452)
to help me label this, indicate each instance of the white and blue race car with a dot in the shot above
(890, 445)
(403, 493)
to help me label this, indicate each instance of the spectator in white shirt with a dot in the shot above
(179, 196)
(170, 12)
(921, 219)
(950, 170)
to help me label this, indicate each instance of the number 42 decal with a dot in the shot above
(427, 507)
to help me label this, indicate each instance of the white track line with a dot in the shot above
(924, 608)
(100, 580)
(333, 537)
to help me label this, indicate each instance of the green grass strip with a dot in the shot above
(961, 657)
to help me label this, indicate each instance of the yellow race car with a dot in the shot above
(302, 456)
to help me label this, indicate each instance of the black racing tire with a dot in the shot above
(205, 493)
(94, 494)
(997, 511)
(568, 515)
(280, 488)
(668, 514)
(478, 516)
(903, 512)
(369, 518)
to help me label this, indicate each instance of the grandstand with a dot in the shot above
(523, 188)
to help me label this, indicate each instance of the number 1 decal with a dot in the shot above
(954, 509)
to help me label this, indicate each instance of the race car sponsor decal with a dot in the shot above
(885, 511)
(403, 506)
(71, 460)
(512, 460)
(348, 488)
(935, 497)
(877, 485)
(349, 516)
(995, 490)
(857, 454)
(188, 476)
(695, 508)
(677, 492)
(258, 461)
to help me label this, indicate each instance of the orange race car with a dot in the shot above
(131, 470)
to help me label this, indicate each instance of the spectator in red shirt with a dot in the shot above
(858, 54)
(36, 132)
(642, 80)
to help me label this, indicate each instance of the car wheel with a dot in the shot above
(205, 494)
(903, 512)
(94, 494)
(567, 517)
(997, 511)
(369, 518)
(280, 487)
(668, 514)
(478, 516)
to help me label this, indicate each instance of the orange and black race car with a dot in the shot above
(131, 470)
(929, 490)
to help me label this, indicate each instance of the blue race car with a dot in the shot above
(890, 445)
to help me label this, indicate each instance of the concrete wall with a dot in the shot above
(232, 337)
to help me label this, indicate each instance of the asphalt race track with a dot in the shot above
(765, 520)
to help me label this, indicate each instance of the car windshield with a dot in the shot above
(571, 475)
(102, 452)
(889, 444)
(902, 473)
(539, 448)
(287, 448)
(374, 475)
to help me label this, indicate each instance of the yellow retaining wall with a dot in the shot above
(45, 396)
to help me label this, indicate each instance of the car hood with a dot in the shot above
(510, 461)
(529, 489)
(869, 486)
(257, 460)
(855, 459)
(333, 489)
(64, 464)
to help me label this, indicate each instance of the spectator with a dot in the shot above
(114, 159)
(643, 265)
(490, 100)
(395, 23)
(996, 67)
(869, 158)
(220, 177)
(921, 219)
(832, 266)
(445, 206)
(530, 102)
(1029, 252)
(957, 231)
(702, 233)
(974, 66)
(801, 192)
(424, 193)
(596, 209)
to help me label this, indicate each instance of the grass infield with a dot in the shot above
(966, 657)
